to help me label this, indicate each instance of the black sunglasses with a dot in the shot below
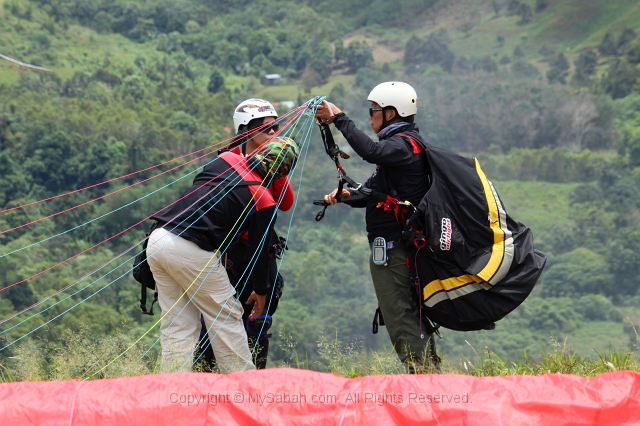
(275, 127)
(254, 124)
(372, 110)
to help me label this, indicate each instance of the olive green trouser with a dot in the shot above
(391, 284)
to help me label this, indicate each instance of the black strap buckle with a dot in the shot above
(143, 304)
(378, 319)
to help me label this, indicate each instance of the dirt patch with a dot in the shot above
(382, 52)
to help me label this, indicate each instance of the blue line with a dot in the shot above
(73, 294)
(100, 277)
(253, 262)
(236, 301)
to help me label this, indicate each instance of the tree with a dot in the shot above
(261, 41)
(553, 314)
(76, 86)
(577, 273)
(321, 67)
(281, 55)
(216, 82)
(337, 92)
(340, 52)
(546, 51)
(558, 70)
(585, 66)
(627, 36)
(525, 13)
(633, 52)
(324, 52)
(102, 22)
(486, 64)
(518, 53)
(359, 54)
(620, 79)
(311, 78)
(497, 6)
(51, 165)
(596, 307)
(261, 65)
(524, 69)
(432, 51)
(133, 86)
(106, 77)
(183, 121)
(584, 113)
(412, 50)
(303, 56)
(541, 5)
(586, 194)
(624, 259)
(102, 161)
(512, 7)
(608, 46)
(366, 78)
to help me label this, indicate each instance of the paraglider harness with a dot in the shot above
(357, 190)
(401, 211)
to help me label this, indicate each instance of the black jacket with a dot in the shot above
(401, 171)
(214, 211)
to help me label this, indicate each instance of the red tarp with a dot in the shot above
(300, 397)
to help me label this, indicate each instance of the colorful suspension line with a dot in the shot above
(157, 322)
(111, 193)
(84, 251)
(217, 145)
(72, 306)
(251, 265)
(248, 271)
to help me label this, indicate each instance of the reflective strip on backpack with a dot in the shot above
(502, 251)
(438, 290)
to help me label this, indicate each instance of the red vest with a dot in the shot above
(261, 195)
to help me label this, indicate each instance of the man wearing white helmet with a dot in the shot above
(254, 123)
(402, 172)
(249, 120)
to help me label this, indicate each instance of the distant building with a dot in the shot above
(271, 79)
(288, 104)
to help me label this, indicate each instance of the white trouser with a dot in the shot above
(184, 271)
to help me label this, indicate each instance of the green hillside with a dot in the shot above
(545, 93)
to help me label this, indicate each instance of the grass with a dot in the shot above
(77, 356)
(76, 48)
(81, 356)
(539, 205)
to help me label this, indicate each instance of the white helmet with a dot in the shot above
(395, 94)
(252, 109)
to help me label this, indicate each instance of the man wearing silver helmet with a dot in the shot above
(402, 172)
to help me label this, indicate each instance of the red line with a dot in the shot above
(111, 193)
(129, 174)
(96, 245)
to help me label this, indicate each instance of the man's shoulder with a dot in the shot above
(403, 138)
(232, 157)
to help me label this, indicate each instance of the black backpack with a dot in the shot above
(142, 273)
(471, 263)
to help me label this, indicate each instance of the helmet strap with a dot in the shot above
(244, 131)
(385, 122)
